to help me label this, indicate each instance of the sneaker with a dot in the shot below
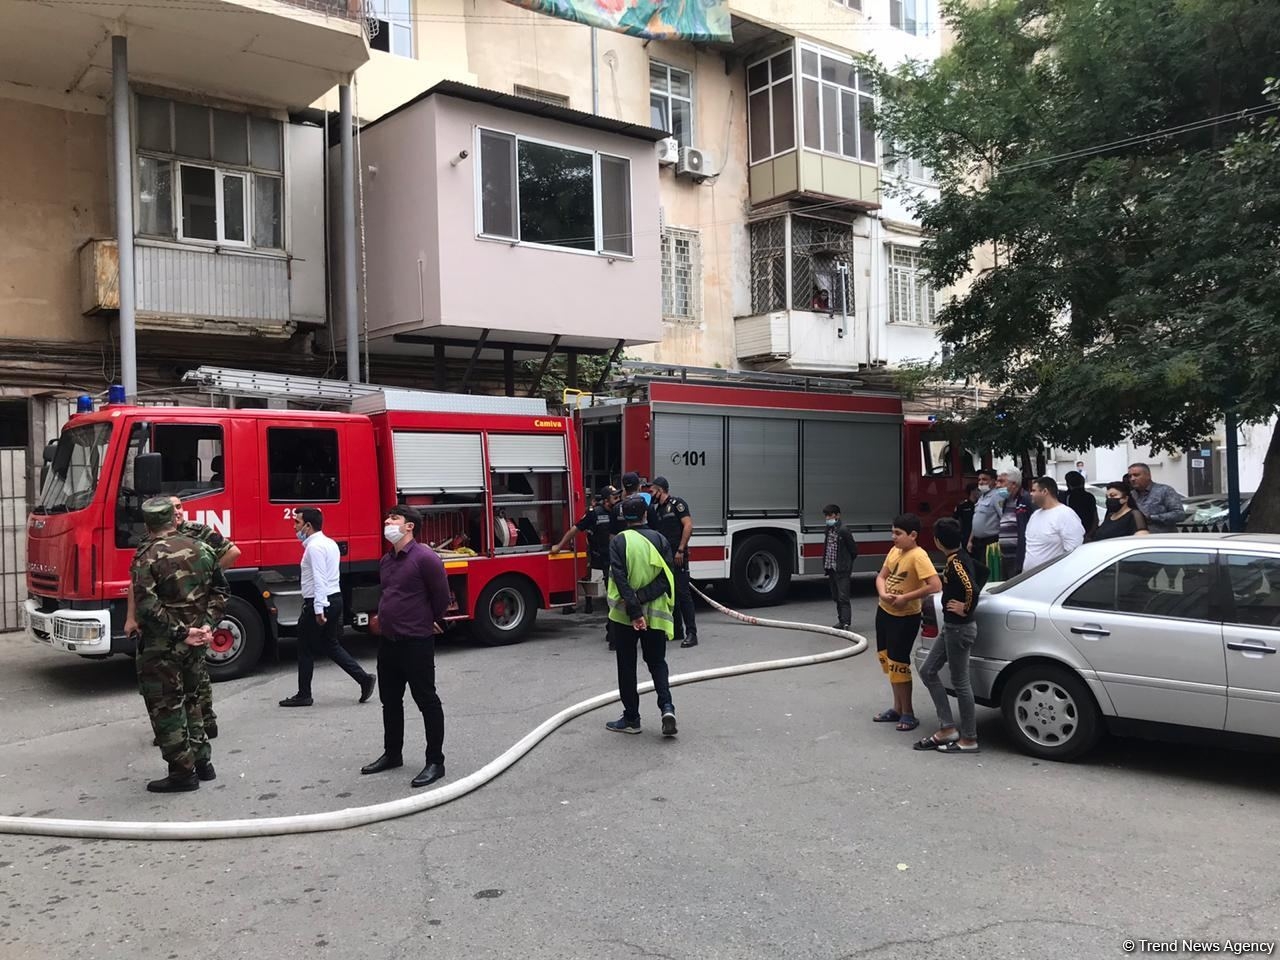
(623, 725)
(669, 721)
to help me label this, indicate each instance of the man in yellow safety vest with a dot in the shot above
(641, 605)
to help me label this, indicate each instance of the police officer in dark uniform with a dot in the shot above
(674, 522)
(599, 526)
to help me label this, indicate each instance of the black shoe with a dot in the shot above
(211, 730)
(367, 686)
(689, 642)
(384, 762)
(297, 700)
(205, 771)
(180, 783)
(623, 725)
(430, 774)
(669, 721)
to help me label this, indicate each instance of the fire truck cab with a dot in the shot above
(496, 479)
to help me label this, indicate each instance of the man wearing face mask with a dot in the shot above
(415, 596)
(986, 514)
(838, 553)
(320, 622)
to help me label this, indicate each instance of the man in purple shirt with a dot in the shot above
(415, 596)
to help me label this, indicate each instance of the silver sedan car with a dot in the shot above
(1156, 636)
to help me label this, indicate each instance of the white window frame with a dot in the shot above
(669, 96)
(219, 174)
(397, 25)
(858, 91)
(851, 4)
(898, 163)
(922, 17)
(667, 259)
(922, 303)
(597, 204)
(797, 125)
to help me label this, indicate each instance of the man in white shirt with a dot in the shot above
(320, 622)
(1053, 530)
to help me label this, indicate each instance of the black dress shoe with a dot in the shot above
(430, 774)
(297, 700)
(384, 762)
(689, 642)
(175, 784)
(367, 686)
(205, 771)
(211, 730)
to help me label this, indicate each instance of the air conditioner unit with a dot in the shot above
(693, 164)
(668, 151)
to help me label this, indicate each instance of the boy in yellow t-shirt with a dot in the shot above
(907, 577)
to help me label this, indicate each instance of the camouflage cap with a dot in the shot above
(157, 513)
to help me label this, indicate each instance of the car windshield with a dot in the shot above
(73, 476)
(1026, 575)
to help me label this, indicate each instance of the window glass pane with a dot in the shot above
(758, 76)
(909, 17)
(895, 13)
(268, 212)
(836, 71)
(615, 204)
(402, 39)
(557, 196)
(682, 122)
(230, 138)
(190, 457)
(682, 84)
(848, 125)
(153, 125)
(867, 123)
(497, 185)
(758, 109)
(155, 197)
(658, 78)
(199, 203)
(1255, 584)
(233, 198)
(1096, 593)
(830, 118)
(784, 116)
(264, 143)
(658, 118)
(809, 63)
(1166, 585)
(191, 124)
(302, 465)
(812, 116)
(781, 65)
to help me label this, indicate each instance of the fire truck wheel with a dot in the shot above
(761, 571)
(237, 642)
(506, 612)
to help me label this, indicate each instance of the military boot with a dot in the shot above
(175, 783)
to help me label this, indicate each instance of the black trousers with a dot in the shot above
(653, 645)
(323, 640)
(840, 594)
(685, 624)
(409, 661)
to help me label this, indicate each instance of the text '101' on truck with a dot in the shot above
(497, 479)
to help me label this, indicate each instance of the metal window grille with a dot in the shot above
(681, 274)
(768, 265)
(817, 249)
(911, 298)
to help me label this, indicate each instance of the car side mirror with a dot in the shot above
(50, 451)
(147, 474)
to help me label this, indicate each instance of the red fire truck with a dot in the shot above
(496, 478)
(758, 456)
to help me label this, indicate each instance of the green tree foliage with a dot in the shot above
(1113, 165)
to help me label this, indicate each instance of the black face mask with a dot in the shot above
(1114, 505)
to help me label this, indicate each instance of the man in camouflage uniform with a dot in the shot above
(177, 607)
(227, 553)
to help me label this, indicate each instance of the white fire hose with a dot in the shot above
(362, 816)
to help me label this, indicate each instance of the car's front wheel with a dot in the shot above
(1050, 713)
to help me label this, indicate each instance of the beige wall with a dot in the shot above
(53, 197)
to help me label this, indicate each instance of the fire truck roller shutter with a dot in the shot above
(438, 462)
(540, 454)
(857, 464)
(688, 449)
(764, 455)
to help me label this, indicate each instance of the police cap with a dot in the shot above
(157, 513)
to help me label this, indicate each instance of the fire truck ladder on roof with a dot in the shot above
(635, 371)
(357, 397)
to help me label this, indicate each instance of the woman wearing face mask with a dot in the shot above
(1123, 518)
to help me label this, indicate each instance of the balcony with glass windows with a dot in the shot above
(811, 122)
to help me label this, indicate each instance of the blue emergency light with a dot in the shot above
(84, 403)
(115, 393)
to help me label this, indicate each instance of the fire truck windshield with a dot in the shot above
(77, 465)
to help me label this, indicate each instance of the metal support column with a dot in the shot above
(441, 367)
(608, 367)
(571, 370)
(546, 365)
(1233, 472)
(350, 318)
(123, 150)
(475, 355)
(509, 371)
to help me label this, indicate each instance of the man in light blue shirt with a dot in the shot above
(320, 622)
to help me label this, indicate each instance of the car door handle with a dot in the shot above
(1091, 631)
(1249, 647)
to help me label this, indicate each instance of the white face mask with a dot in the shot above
(984, 487)
(393, 532)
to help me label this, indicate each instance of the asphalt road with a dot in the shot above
(781, 822)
